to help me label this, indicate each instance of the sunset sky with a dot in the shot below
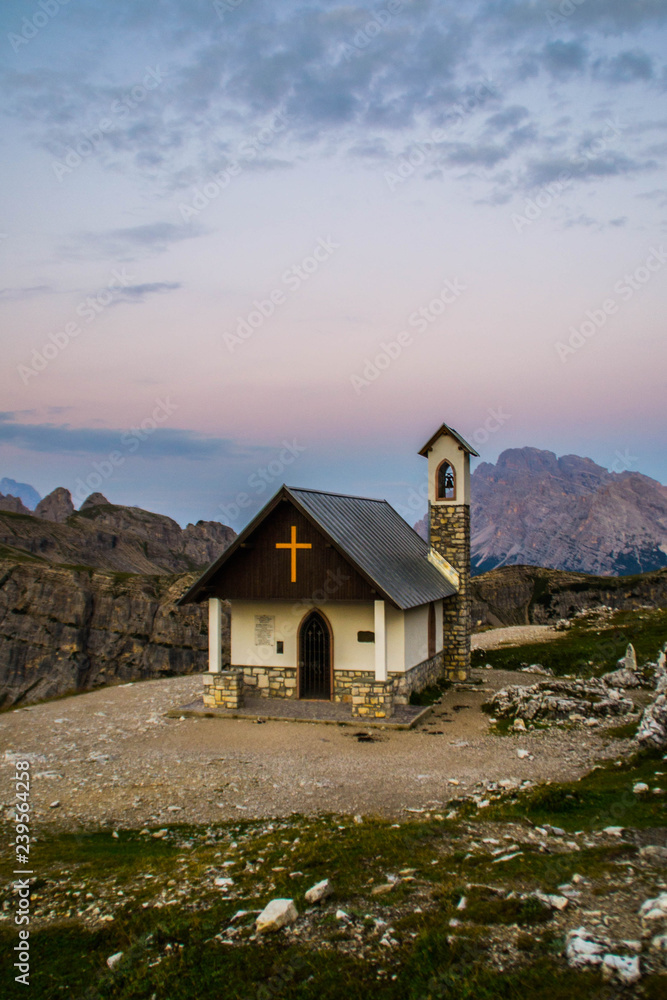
(217, 217)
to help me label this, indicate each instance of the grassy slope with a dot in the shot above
(591, 646)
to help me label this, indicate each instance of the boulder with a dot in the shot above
(652, 731)
(654, 910)
(319, 891)
(276, 914)
(113, 960)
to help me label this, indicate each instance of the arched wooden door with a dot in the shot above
(315, 658)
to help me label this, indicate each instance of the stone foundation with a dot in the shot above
(269, 682)
(372, 699)
(422, 675)
(224, 690)
(345, 680)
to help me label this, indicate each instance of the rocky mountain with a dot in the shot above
(109, 536)
(66, 630)
(532, 508)
(530, 595)
(568, 513)
(26, 493)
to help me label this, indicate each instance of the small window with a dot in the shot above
(280, 646)
(365, 636)
(445, 482)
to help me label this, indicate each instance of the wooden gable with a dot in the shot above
(259, 570)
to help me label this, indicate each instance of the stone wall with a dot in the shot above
(269, 682)
(224, 690)
(424, 674)
(346, 680)
(372, 699)
(450, 536)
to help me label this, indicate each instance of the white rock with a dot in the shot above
(654, 909)
(276, 914)
(113, 960)
(341, 915)
(54, 805)
(640, 787)
(627, 969)
(583, 949)
(522, 754)
(659, 942)
(319, 891)
(519, 726)
(614, 831)
(462, 903)
(223, 883)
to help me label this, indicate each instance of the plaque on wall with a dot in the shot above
(265, 626)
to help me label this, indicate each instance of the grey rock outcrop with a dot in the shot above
(13, 504)
(94, 500)
(57, 506)
(559, 699)
(652, 730)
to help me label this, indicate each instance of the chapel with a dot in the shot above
(336, 597)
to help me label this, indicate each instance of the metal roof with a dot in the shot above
(380, 543)
(370, 534)
(452, 433)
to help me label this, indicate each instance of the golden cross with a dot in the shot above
(293, 545)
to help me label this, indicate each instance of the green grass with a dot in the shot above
(588, 647)
(429, 695)
(603, 797)
(173, 953)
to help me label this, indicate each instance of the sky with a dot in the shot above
(246, 243)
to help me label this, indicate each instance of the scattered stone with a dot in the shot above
(519, 726)
(159, 834)
(113, 960)
(626, 968)
(276, 914)
(583, 948)
(654, 909)
(341, 915)
(381, 890)
(653, 852)
(54, 805)
(640, 787)
(319, 891)
(223, 883)
(523, 754)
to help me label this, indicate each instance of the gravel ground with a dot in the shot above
(111, 758)
(514, 635)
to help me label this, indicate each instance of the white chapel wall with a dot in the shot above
(346, 619)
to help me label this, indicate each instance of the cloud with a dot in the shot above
(47, 438)
(27, 292)
(137, 293)
(610, 164)
(562, 59)
(131, 243)
(626, 67)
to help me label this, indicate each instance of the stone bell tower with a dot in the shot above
(449, 535)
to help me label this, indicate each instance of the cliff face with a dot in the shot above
(528, 595)
(66, 630)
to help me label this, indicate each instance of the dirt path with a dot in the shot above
(514, 635)
(110, 757)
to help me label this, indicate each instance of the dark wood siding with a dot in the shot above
(260, 571)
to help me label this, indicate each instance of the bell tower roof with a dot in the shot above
(444, 429)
